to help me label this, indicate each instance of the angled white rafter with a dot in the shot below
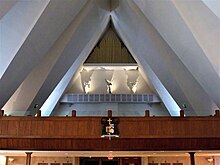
(15, 27)
(6, 6)
(189, 42)
(170, 40)
(55, 96)
(149, 46)
(37, 44)
(74, 53)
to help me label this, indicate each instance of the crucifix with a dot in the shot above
(109, 121)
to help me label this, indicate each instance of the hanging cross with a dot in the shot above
(109, 121)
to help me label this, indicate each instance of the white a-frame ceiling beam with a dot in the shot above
(193, 33)
(84, 31)
(5, 6)
(180, 57)
(15, 26)
(149, 46)
(46, 31)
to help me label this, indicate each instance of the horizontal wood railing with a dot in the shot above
(129, 127)
(84, 133)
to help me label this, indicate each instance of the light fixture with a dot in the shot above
(36, 105)
(184, 105)
(110, 156)
(210, 160)
(11, 159)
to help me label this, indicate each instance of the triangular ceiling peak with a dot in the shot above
(110, 49)
(176, 55)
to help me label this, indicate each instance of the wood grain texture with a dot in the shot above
(121, 144)
(129, 127)
(136, 133)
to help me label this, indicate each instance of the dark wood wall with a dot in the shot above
(84, 133)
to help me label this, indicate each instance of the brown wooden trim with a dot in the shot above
(129, 127)
(136, 133)
(166, 144)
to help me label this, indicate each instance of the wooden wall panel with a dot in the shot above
(13, 128)
(129, 127)
(83, 133)
(110, 145)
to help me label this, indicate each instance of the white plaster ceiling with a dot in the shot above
(176, 47)
(5, 6)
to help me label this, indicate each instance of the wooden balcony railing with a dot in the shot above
(136, 133)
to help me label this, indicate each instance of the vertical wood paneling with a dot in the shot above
(4, 127)
(24, 128)
(69, 128)
(13, 127)
(37, 128)
(98, 144)
(81, 127)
